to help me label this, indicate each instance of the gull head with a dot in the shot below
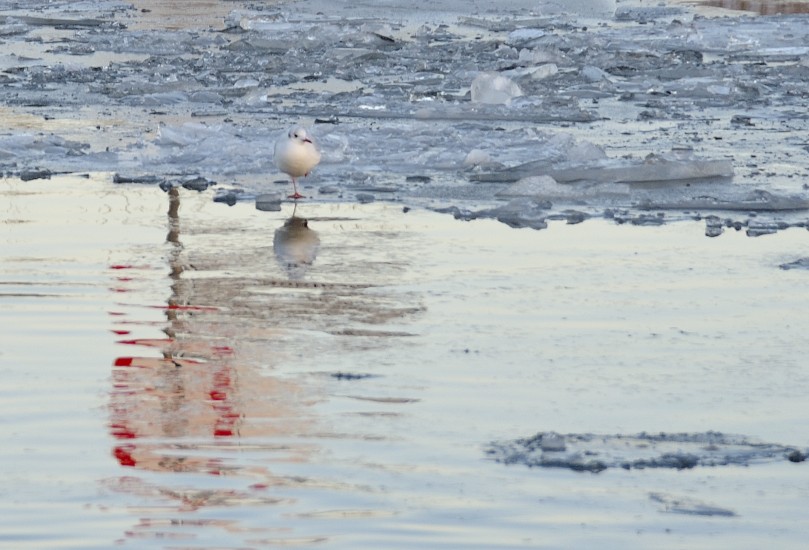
(300, 134)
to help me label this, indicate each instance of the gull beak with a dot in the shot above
(307, 140)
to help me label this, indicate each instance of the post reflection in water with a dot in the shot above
(185, 401)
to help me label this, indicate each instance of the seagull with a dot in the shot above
(296, 155)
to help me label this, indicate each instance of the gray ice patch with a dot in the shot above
(595, 453)
(688, 506)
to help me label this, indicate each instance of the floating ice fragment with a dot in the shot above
(713, 226)
(681, 505)
(552, 441)
(523, 36)
(654, 168)
(584, 151)
(594, 453)
(729, 198)
(534, 186)
(147, 179)
(246, 82)
(184, 135)
(476, 157)
(594, 74)
(803, 263)
(583, 8)
(30, 175)
(157, 100)
(545, 70)
(493, 88)
(757, 228)
(269, 202)
(546, 188)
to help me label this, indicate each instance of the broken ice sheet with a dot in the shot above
(655, 168)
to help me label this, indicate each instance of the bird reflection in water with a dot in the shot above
(296, 245)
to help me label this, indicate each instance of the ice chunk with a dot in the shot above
(552, 441)
(654, 168)
(688, 506)
(39, 146)
(269, 202)
(729, 198)
(157, 100)
(533, 186)
(545, 70)
(593, 74)
(247, 82)
(803, 263)
(493, 88)
(476, 157)
(595, 453)
(184, 135)
(583, 8)
(523, 36)
(547, 188)
(585, 151)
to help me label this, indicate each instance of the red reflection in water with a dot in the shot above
(124, 455)
(176, 307)
(187, 391)
(181, 402)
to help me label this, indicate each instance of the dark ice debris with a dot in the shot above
(714, 226)
(642, 14)
(29, 175)
(680, 451)
(741, 120)
(803, 263)
(197, 184)
(59, 22)
(229, 196)
(350, 375)
(689, 506)
(148, 179)
(757, 228)
(796, 456)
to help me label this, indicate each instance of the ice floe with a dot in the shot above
(595, 453)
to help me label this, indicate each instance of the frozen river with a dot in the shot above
(546, 290)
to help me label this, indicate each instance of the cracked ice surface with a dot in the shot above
(90, 87)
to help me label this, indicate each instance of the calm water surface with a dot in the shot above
(182, 374)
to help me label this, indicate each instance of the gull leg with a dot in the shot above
(295, 195)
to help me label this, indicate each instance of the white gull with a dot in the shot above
(296, 155)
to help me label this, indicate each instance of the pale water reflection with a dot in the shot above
(295, 245)
(168, 385)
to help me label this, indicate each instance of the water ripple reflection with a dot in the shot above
(205, 416)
